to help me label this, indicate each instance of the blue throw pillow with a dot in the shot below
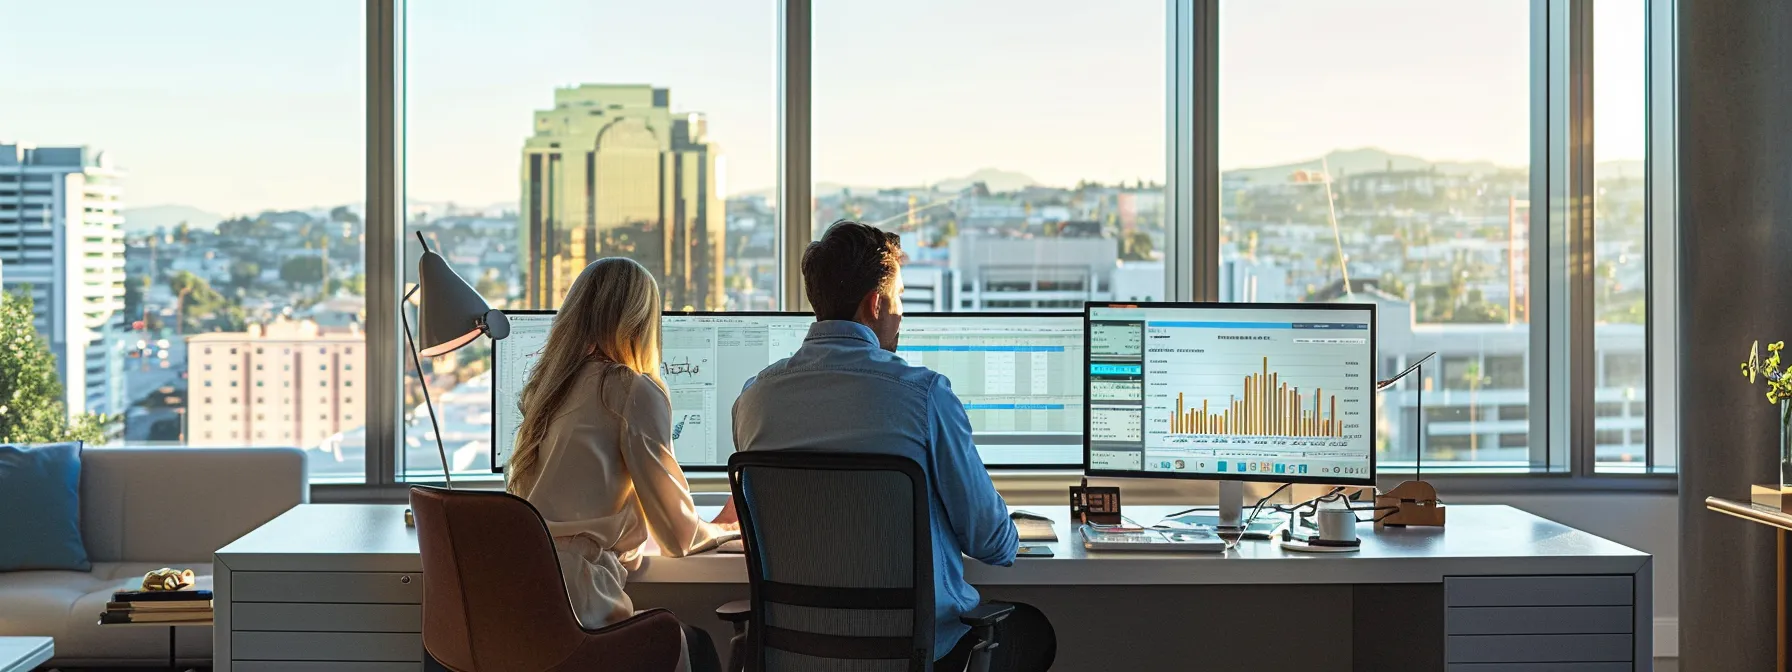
(40, 508)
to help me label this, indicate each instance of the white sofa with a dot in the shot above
(141, 509)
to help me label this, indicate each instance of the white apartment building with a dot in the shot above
(60, 235)
(283, 384)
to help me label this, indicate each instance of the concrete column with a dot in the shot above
(1735, 268)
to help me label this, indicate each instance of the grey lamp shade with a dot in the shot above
(450, 313)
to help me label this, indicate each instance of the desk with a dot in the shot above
(327, 583)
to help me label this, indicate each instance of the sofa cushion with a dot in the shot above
(67, 606)
(40, 493)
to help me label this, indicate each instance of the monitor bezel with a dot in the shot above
(1062, 314)
(1088, 408)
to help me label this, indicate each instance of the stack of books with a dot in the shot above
(159, 606)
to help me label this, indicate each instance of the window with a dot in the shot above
(1380, 152)
(1019, 154)
(240, 187)
(1620, 225)
(648, 132)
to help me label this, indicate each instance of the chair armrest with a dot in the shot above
(986, 615)
(738, 611)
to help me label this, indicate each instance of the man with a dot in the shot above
(845, 389)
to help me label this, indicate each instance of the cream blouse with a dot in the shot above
(608, 481)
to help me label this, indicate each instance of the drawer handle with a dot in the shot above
(404, 579)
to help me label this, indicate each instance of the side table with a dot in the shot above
(24, 654)
(173, 628)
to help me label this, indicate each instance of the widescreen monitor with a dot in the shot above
(1231, 391)
(1019, 376)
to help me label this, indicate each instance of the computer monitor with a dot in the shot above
(1019, 376)
(1231, 391)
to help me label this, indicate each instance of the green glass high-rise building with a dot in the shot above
(612, 171)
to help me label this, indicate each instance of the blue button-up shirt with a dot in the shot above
(841, 392)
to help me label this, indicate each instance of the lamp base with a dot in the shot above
(1412, 503)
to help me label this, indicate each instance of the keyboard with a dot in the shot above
(1193, 541)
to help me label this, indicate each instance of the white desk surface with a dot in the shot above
(23, 654)
(1479, 540)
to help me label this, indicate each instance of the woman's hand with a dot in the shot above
(728, 516)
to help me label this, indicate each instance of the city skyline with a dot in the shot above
(280, 125)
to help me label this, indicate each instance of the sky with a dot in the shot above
(236, 107)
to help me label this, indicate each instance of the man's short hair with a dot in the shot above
(848, 262)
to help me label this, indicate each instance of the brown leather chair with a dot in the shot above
(493, 597)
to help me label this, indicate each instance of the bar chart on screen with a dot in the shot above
(1255, 390)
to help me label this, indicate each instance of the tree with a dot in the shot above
(244, 273)
(194, 301)
(31, 408)
(355, 284)
(303, 271)
(1137, 246)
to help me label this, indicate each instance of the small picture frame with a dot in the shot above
(1095, 504)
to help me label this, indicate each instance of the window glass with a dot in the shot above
(543, 135)
(1620, 231)
(1017, 146)
(1379, 151)
(192, 174)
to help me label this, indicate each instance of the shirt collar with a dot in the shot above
(842, 329)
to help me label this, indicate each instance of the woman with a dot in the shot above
(594, 453)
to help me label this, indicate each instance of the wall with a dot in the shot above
(1734, 161)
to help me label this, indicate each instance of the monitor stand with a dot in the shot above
(1231, 505)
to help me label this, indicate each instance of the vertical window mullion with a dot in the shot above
(795, 46)
(383, 402)
(1191, 225)
(1582, 378)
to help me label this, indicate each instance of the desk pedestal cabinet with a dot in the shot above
(339, 586)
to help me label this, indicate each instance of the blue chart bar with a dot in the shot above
(1259, 325)
(979, 348)
(1116, 369)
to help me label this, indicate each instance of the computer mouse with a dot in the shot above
(1026, 515)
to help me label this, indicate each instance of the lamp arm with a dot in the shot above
(422, 380)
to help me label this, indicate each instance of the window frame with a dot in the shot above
(1562, 367)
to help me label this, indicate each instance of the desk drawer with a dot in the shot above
(326, 646)
(1541, 667)
(1538, 591)
(311, 617)
(311, 666)
(1538, 621)
(327, 587)
(1537, 648)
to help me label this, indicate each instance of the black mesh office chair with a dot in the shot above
(840, 566)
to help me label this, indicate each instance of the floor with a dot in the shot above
(1667, 665)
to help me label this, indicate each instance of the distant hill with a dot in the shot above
(1364, 160)
(139, 221)
(997, 180)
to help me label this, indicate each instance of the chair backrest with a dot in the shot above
(840, 560)
(493, 595)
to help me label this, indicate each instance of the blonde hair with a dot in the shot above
(610, 316)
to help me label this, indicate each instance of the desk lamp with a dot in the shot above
(1412, 502)
(451, 314)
